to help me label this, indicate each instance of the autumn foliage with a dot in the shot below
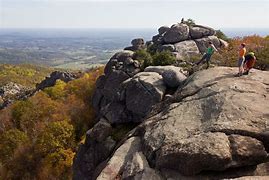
(39, 135)
(257, 44)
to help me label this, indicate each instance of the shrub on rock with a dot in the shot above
(163, 58)
(144, 58)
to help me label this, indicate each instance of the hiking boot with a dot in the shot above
(246, 73)
(238, 74)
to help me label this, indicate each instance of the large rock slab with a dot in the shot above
(203, 43)
(214, 127)
(177, 33)
(209, 151)
(215, 124)
(172, 76)
(161, 69)
(138, 169)
(173, 79)
(186, 50)
(97, 147)
(198, 31)
(143, 91)
(120, 158)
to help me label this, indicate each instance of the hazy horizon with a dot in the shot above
(119, 14)
(146, 33)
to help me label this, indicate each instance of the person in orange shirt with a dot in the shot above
(242, 53)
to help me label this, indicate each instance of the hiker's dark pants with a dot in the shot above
(205, 58)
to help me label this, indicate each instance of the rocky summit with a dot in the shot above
(208, 125)
(185, 41)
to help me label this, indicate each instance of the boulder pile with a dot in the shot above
(185, 41)
(208, 125)
(215, 126)
(125, 94)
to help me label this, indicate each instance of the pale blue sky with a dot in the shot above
(132, 14)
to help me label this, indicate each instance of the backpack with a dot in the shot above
(249, 56)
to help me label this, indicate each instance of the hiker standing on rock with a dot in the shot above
(241, 59)
(207, 56)
(249, 63)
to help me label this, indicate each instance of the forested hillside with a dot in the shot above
(23, 74)
(39, 136)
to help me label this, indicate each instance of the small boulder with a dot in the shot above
(163, 29)
(138, 42)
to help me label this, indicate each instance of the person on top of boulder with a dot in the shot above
(207, 56)
(241, 59)
(249, 63)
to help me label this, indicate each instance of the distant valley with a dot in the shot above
(71, 49)
(75, 48)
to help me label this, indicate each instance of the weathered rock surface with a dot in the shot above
(161, 69)
(177, 33)
(143, 91)
(173, 79)
(120, 158)
(97, 148)
(106, 99)
(198, 31)
(202, 43)
(215, 127)
(123, 96)
(218, 123)
(12, 92)
(186, 50)
(163, 29)
(185, 42)
(138, 168)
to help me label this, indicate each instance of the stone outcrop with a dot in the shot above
(215, 126)
(184, 41)
(207, 125)
(125, 94)
(12, 92)
(97, 148)
(177, 33)
(54, 76)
